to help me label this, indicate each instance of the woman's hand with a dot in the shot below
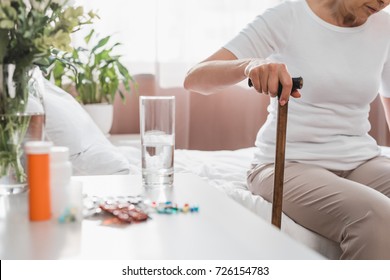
(266, 76)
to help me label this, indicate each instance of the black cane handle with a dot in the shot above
(297, 84)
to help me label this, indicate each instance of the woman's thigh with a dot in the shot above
(375, 173)
(319, 199)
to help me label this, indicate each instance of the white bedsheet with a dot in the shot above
(226, 171)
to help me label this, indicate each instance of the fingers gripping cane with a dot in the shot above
(280, 152)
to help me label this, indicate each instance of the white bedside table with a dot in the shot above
(222, 229)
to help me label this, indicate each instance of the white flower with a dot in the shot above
(40, 5)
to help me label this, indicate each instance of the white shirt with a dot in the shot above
(342, 69)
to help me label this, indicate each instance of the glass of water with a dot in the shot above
(157, 126)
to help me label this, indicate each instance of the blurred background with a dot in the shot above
(167, 37)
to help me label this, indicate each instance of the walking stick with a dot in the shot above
(280, 152)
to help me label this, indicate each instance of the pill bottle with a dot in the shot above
(38, 179)
(60, 175)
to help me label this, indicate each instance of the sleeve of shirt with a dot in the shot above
(266, 34)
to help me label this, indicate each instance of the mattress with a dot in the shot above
(226, 171)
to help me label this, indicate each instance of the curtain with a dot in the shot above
(167, 37)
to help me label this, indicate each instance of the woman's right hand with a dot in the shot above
(266, 75)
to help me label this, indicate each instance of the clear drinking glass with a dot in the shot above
(157, 126)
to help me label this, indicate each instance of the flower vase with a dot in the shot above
(21, 120)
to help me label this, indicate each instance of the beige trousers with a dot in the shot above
(349, 207)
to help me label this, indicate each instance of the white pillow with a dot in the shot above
(100, 159)
(67, 124)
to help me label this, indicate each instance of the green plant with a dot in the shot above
(97, 72)
(32, 30)
(31, 33)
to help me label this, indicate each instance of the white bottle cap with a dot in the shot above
(59, 154)
(37, 147)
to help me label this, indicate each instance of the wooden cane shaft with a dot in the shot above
(280, 150)
(279, 165)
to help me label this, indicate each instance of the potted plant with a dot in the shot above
(31, 33)
(96, 77)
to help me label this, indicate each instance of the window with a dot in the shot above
(167, 37)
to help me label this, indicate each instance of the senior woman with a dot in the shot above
(337, 183)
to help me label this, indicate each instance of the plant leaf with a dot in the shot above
(101, 43)
(89, 36)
